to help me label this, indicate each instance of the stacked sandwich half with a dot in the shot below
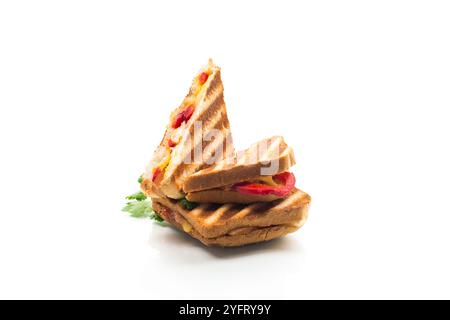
(199, 184)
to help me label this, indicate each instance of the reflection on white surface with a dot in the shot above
(178, 246)
(189, 270)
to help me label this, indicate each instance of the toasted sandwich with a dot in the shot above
(230, 225)
(258, 174)
(198, 134)
(197, 182)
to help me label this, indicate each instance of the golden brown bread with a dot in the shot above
(211, 112)
(267, 157)
(233, 224)
(227, 196)
(238, 237)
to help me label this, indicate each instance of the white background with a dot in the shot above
(360, 90)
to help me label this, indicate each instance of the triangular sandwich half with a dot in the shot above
(198, 134)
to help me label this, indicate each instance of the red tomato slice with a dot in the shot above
(183, 116)
(286, 180)
(178, 120)
(203, 77)
(171, 144)
(188, 112)
(156, 173)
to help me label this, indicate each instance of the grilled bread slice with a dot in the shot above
(198, 135)
(227, 196)
(258, 164)
(264, 158)
(236, 238)
(234, 224)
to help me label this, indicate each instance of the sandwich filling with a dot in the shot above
(179, 120)
(280, 185)
(261, 189)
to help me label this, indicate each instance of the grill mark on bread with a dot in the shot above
(215, 82)
(246, 211)
(208, 153)
(218, 213)
(220, 122)
(243, 167)
(225, 147)
(290, 201)
(269, 153)
(207, 210)
(199, 210)
(246, 157)
(212, 88)
(213, 109)
(212, 112)
(238, 236)
(231, 212)
(263, 208)
(259, 215)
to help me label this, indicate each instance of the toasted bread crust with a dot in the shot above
(237, 237)
(227, 196)
(214, 220)
(231, 171)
